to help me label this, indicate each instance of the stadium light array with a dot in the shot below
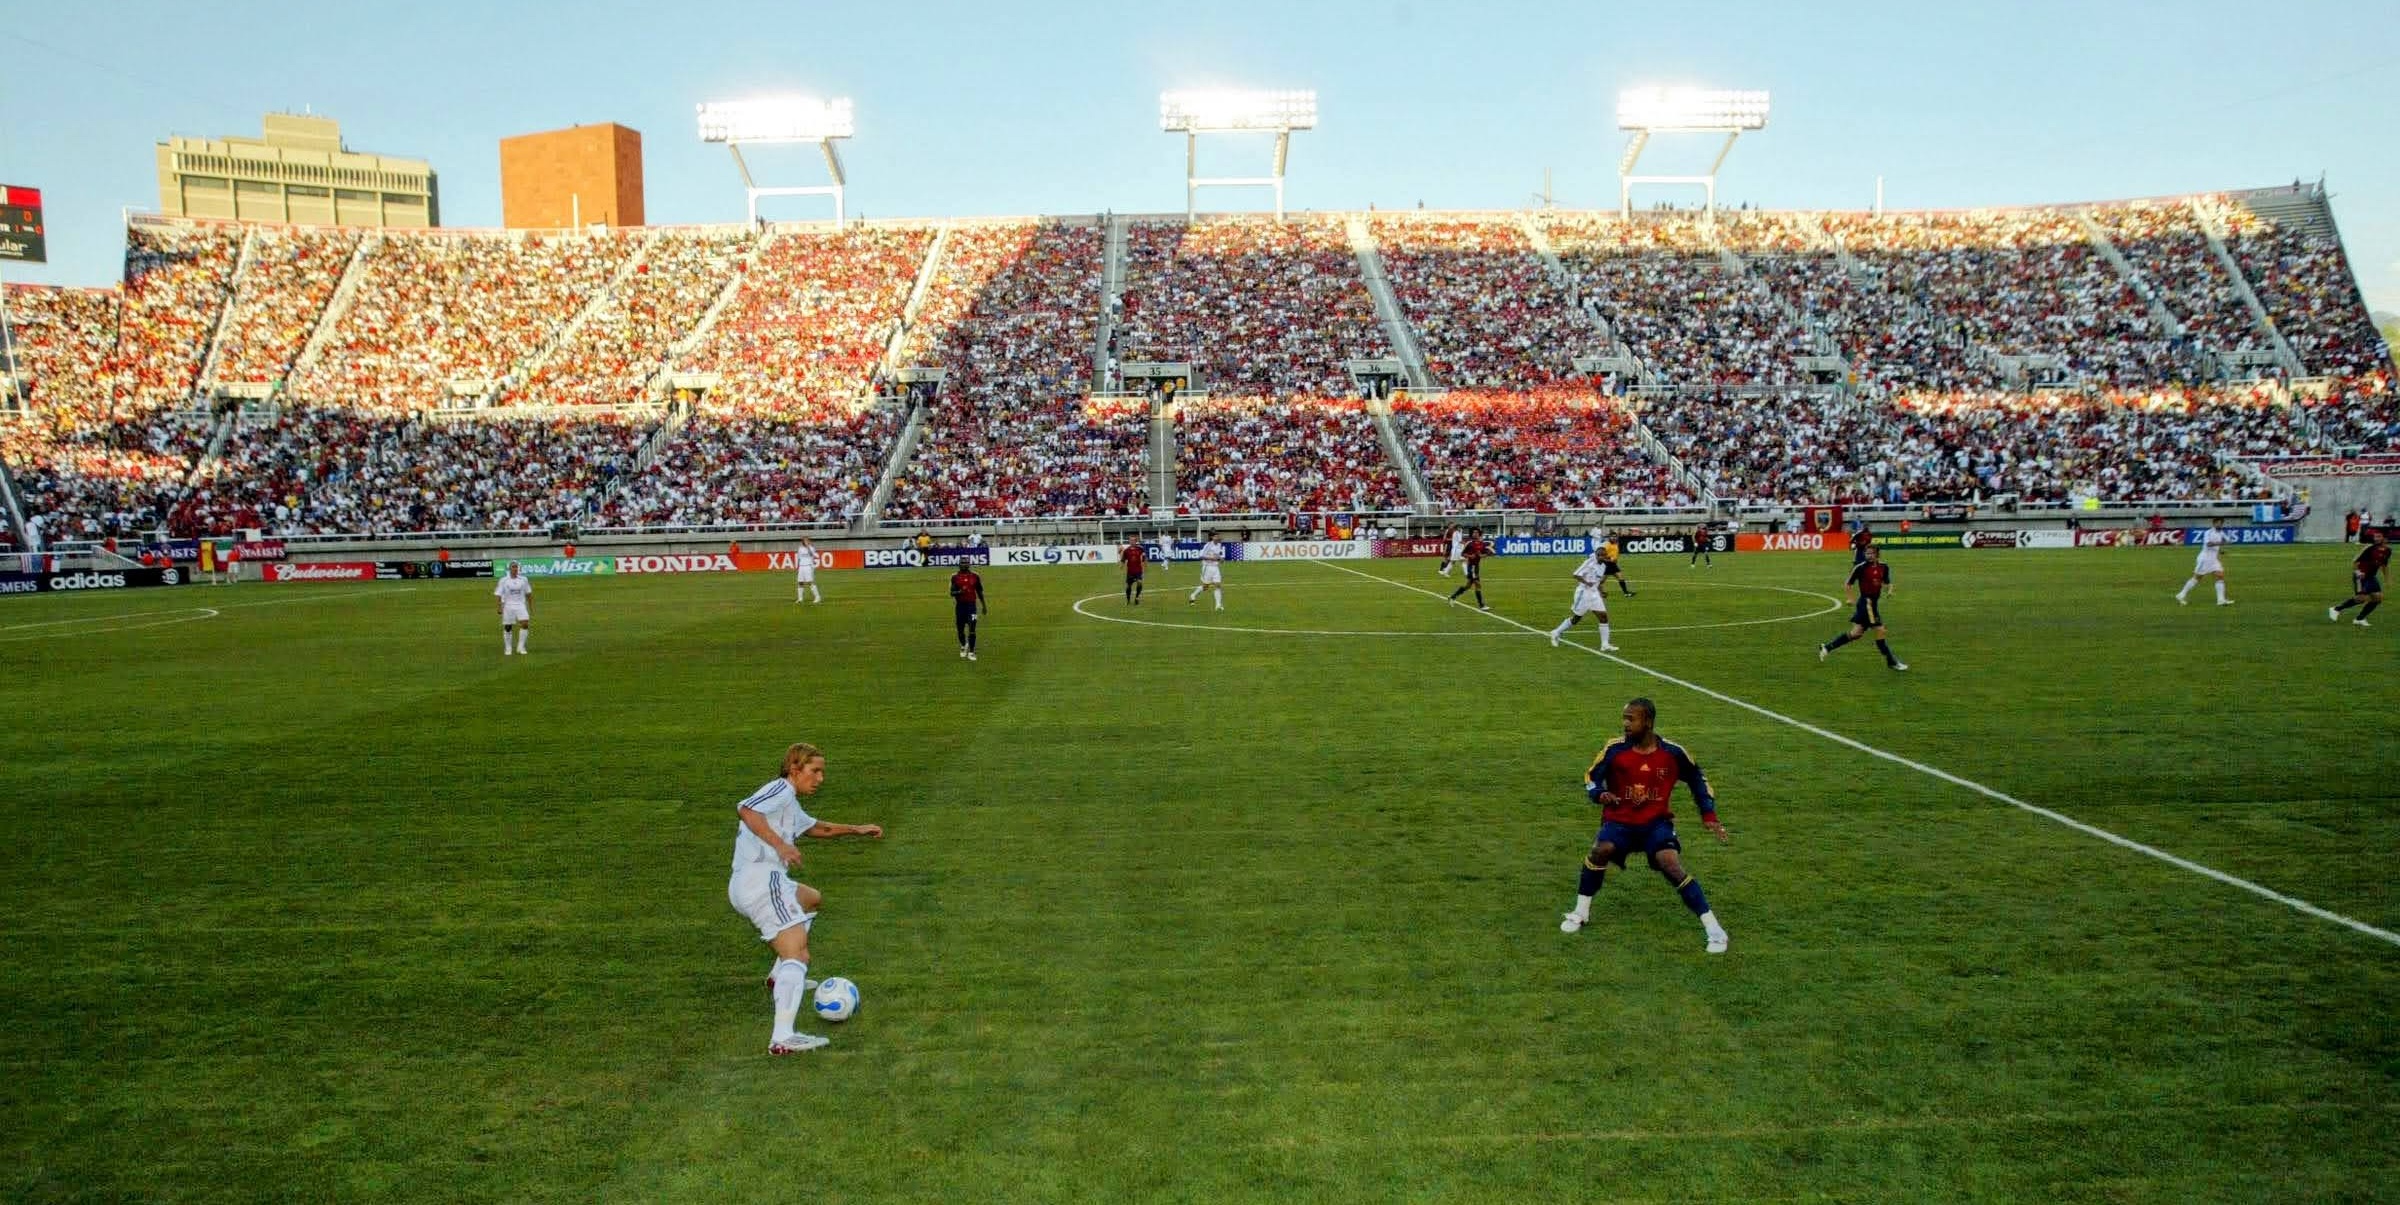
(1705, 110)
(1649, 111)
(1193, 112)
(782, 120)
(776, 119)
(1214, 111)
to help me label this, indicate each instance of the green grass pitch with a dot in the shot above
(317, 897)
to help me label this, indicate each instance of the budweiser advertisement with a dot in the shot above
(319, 571)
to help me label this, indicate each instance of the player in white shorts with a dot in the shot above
(1457, 552)
(1588, 598)
(763, 889)
(515, 592)
(2210, 563)
(1212, 573)
(804, 567)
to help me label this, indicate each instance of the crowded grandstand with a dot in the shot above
(325, 382)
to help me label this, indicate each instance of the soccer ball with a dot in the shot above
(836, 999)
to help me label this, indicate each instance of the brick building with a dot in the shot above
(550, 180)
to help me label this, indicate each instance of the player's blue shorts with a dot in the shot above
(2370, 584)
(1867, 614)
(1631, 839)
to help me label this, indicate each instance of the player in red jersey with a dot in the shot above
(1471, 554)
(968, 604)
(1134, 557)
(1632, 780)
(2366, 580)
(1870, 580)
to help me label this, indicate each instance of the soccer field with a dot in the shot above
(312, 895)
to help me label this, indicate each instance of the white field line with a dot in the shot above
(2297, 905)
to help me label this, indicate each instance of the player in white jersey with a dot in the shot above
(804, 566)
(516, 618)
(1458, 549)
(1212, 573)
(763, 889)
(2210, 563)
(1588, 598)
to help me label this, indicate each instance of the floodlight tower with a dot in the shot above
(1648, 111)
(781, 121)
(1193, 113)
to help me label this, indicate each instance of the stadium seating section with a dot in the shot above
(322, 381)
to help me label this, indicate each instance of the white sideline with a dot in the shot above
(2298, 905)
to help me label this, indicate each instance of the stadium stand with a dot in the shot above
(1252, 455)
(1947, 322)
(1545, 450)
(1259, 308)
(1482, 301)
(1011, 317)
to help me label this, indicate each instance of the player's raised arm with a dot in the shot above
(825, 829)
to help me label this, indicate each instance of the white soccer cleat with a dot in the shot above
(1571, 922)
(1608, 648)
(1553, 640)
(2181, 601)
(2224, 602)
(2334, 614)
(798, 1043)
(970, 654)
(1900, 667)
(1823, 652)
(2360, 623)
(1717, 943)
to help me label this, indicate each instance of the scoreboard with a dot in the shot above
(21, 234)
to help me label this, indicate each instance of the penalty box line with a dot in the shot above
(2089, 830)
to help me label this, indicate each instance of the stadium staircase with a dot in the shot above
(2212, 226)
(203, 465)
(716, 308)
(1397, 449)
(1614, 352)
(567, 331)
(353, 273)
(926, 273)
(2160, 316)
(15, 509)
(1396, 328)
(1823, 346)
(902, 448)
(1112, 291)
(1160, 455)
(216, 333)
(655, 444)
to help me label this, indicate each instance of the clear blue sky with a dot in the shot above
(1051, 107)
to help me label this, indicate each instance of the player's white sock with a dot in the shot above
(1583, 907)
(1219, 594)
(504, 648)
(1717, 940)
(2220, 589)
(816, 594)
(522, 633)
(2187, 589)
(1603, 635)
(791, 978)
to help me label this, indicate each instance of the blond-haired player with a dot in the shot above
(763, 889)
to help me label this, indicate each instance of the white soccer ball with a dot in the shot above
(836, 999)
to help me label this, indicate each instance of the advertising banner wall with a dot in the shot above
(418, 570)
(79, 580)
(2130, 537)
(1058, 554)
(2054, 538)
(1424, 546)
(1922, 539)
(1308, 550)
(1793, 541)
(937, 556)
(1988, 539)
(320, 571)
(2277, 534)
(558, 566)
(1541, 546)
